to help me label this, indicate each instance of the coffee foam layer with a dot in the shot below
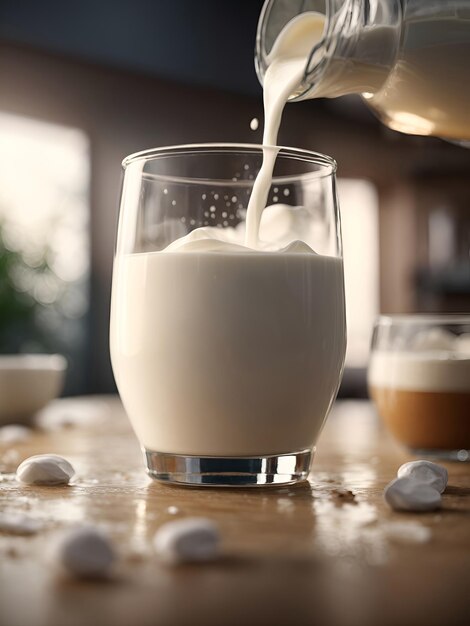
(438, 370)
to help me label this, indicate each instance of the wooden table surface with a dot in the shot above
(291, 556)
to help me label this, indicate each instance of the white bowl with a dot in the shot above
(27, 383)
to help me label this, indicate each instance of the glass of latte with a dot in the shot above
(419, 378)
(228, 341)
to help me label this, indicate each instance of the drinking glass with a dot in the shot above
(419, 378)
(227, 361)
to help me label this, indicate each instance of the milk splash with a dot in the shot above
(288, 59)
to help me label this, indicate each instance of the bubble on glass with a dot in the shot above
(286, 192)
(234, 199)
(254, 124)
(276, 189)
(246, 167)
(183, 219)
(165, 191)
(225, 223)
(224, 214)
(173, 202)
(212, 209)
(216, 196)
(206, 213)
(275, 199)
(213, 216)
(192, 222)
(463, 455)
(203, 196)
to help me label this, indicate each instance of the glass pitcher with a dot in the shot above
(409, 59)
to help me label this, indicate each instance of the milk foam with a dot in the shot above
(439, 370)
(280, 225)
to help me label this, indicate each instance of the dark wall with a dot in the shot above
(206, 42)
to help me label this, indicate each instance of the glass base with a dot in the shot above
(461, 456)
(213, 471)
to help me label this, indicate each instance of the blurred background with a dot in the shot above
(83, 84)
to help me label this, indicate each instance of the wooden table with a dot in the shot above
(292, 556)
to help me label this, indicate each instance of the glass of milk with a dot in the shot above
(228, 355)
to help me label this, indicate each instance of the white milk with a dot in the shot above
(283, 77)
(228, 353)
(225, 345)
(428, 90)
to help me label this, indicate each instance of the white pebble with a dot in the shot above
(405, 494)
(425, 472)
(45, 469)
(19, 524)
(254, 124)
(84, 552)
(14, 433)
(194, 539)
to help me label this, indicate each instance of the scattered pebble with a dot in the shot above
(425, 472)
(254, 124)
(406, 494)
(194, 539)
(14, 433)
(19, 524)
(82, 552)
(45, 469)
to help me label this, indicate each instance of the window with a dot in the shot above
(44, 234)
(360, 218)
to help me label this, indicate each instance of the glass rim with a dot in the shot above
(422, 318)
(327, 164)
